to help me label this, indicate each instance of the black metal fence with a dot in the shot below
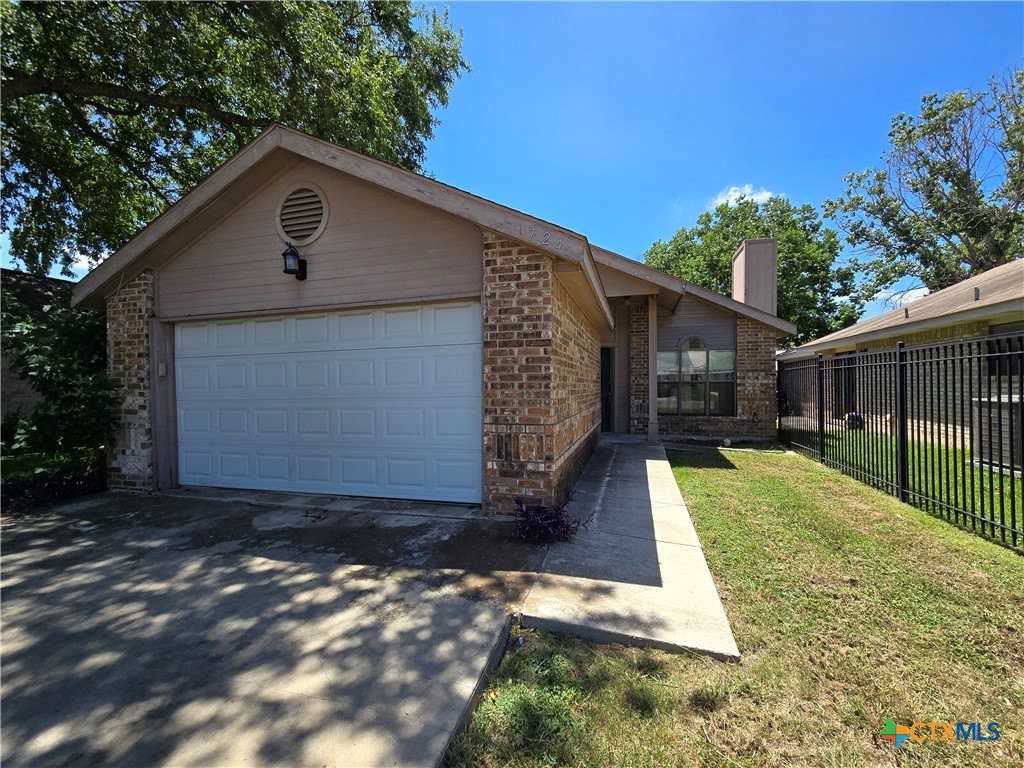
(939, 425)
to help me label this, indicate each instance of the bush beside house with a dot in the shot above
(58, 397)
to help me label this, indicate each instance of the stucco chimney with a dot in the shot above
(755, 267)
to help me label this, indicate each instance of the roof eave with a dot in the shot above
(103, 279)
(545, 237)
(667, 282)
(911, 326)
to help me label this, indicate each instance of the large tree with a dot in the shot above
(113, 110)
(815, 293)
(946, 201)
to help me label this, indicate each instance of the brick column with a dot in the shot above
(639, 366)
(542, 410)
(755, 377)
(519, 449)
(652, 371)
(130, 459)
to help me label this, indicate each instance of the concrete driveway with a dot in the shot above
(142, 630)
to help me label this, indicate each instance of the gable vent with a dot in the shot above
(302, 215)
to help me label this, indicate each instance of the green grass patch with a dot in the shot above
(938, 472)
(848, 608)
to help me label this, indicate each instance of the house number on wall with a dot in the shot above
(545, 238)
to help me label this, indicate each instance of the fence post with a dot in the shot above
(821, 408)
(902, 423)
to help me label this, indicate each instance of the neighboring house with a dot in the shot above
(986, 304)
(34, 294)
(962, 380)
(441, 347)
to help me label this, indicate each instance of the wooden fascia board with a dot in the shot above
(544, 236)
(674, 284)
(118, 266)
(594, 279)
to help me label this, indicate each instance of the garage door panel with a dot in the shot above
(420, 426)
(383, 402)
(431, 372)
(442, 475)
(454, 324)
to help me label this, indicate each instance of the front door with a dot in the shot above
(606, 389)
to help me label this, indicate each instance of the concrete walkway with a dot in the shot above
(637, 575)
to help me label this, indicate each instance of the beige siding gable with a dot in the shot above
(694, 317)
(376, 248)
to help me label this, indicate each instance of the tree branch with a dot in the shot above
(130, 163)
(18, 85)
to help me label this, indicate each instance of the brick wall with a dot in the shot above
(639, 367)
(130, 462)
(576, 389)
(539, 351)
(755, 377)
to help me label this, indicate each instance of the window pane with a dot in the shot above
(695, 363)
(723, 365)
(668, 398)
(668, 363)
(722, 398)
(695, 342)
(691, 397)
(668, 382)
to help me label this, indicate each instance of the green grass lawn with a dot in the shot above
(848, 608)
(938, 471)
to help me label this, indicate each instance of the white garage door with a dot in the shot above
(380, 402)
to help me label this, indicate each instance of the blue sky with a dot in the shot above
(624, 121)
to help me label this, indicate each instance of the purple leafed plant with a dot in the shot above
(539, 524)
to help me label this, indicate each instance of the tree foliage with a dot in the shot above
(814, 292)
(62, 353)
(946, 202)
(113, 110)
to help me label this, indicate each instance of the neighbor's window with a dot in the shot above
(696, 381)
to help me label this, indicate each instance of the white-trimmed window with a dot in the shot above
(696, 381)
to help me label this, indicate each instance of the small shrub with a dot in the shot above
(44, 488)
(539, 524)
(62, 354)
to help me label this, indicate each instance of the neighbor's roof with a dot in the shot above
(34, 292)
(997, 292)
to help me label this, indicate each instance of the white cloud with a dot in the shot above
(732, 195)
(900, 298)
(80, 265)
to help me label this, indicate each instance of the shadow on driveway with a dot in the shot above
(146, 630)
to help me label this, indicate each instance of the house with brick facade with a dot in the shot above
(309, 319)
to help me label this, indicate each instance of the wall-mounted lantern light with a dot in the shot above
(754, 416)
(293, 265)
